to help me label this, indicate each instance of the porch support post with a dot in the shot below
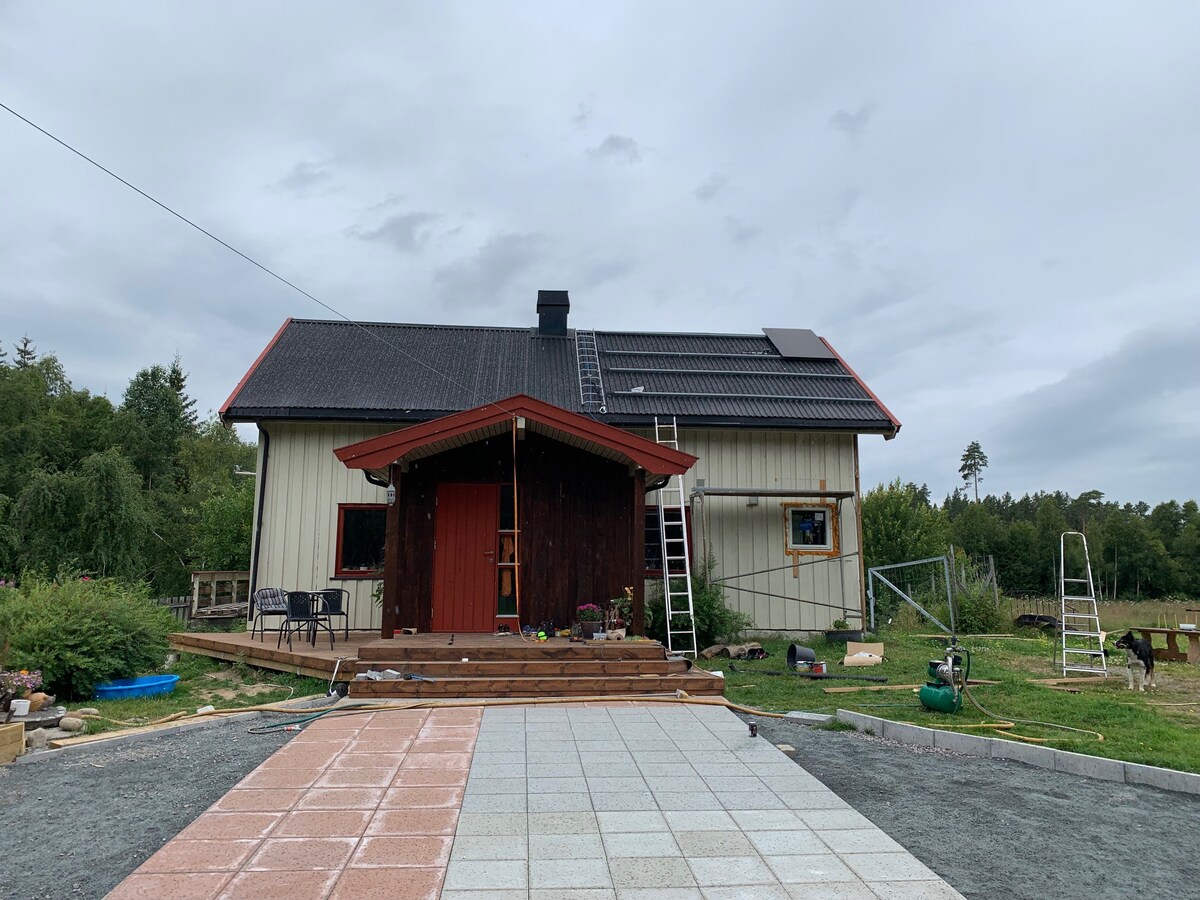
(638, 575)
(391, 562)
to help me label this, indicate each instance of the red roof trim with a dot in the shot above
(862, 384)
(378, 452)
(241, 384)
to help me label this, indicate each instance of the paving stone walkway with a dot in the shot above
(618, 801)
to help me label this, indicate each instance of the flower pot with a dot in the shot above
(589, 629)
(20, 707)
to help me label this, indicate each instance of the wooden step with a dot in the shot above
(433, 649)
(589, 686)
(542, 668)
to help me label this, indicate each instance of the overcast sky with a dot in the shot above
(992, 211)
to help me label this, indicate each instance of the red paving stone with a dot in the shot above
(339, 812)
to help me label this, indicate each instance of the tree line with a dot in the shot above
(142, 490)
(1137, 551)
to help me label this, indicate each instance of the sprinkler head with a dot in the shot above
(753, 728)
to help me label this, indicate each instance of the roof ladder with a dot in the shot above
(591, 384)
(1081, 640)
(676, 558)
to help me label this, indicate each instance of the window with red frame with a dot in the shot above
(360, 536)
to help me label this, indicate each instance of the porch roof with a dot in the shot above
(494, 419)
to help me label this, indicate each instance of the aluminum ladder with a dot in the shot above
(676, 558)
(591, 381)
(1081, 640)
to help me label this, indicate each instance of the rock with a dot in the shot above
(36, 739)
(86, 711)
(70, 723)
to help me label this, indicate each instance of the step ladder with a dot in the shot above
(1082, 641)
(676, 559)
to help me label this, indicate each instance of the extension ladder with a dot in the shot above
(1081, 641)
(676, 559)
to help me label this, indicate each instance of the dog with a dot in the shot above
(1140, 657)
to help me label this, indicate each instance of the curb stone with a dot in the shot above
(1042, 757)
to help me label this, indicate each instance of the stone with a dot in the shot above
(70, 723)
(86, 711)
(36, 739)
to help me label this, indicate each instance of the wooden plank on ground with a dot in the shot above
(894, 687)
(12, 741)
(1074, 679)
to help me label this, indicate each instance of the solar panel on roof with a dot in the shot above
(798, 343)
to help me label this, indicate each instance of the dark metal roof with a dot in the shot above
(377, 371)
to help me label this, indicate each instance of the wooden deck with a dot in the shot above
(473, 665)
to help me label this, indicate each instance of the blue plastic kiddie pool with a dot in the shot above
(146, 686)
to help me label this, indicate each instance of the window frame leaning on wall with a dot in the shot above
(832, 547)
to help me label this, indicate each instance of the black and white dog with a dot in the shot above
(1140, 657)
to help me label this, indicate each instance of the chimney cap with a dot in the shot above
(552, 299)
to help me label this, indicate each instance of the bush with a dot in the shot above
(81, 633)
(715, 621)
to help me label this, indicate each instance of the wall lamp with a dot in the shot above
(391, 494)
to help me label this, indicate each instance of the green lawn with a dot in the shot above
(203, 682)
(1134, 730)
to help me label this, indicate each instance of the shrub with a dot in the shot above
(83, 632)
(715, 621)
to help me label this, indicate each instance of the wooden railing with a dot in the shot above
(219, 589)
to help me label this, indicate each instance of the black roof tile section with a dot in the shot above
(340, 370)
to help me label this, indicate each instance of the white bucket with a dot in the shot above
(20, 707)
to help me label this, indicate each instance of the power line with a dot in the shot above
(474, 393)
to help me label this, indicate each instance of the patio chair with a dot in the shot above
(267, 602)
(334, 603)
(300, 614)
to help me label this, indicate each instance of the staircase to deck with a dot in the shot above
(511, 667)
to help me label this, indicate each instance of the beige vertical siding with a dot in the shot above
(747, 539)
(305, 484)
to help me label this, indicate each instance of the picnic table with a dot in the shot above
(1171, 651)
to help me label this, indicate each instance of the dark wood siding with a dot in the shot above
(580, 530)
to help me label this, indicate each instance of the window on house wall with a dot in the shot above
(811, 528)
(653, 538)
(362, 528)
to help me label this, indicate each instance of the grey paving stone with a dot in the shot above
(490, 846)
(496, 786)
(790, 781)
(766, 819)
(574, 784)
(571, 894)
(553, 770)
(645, 820)
(812, 800)
(600, 784)
(799, 841)
(640, 843)
(491, 823)
(809, 869)
(494, 803)
(507, 770)
(736, 784)
(666, 769)
(649, 872)
(633, 800)
(485, 895)
(740, 800)
(562, 823)
(498, 744)
(543, 803)
(1091, 766)
(591, 745)
(722, 770)
(888, 867)
(836, 890)
(700, 820)
(677, 784)
(659, 894)
(570, 873)
(710, 756)
(714, 843)
(565, 846)
(859, 840)
(690, 800)
(658, 756)
(826, 819)
(597, 761)
(914, 890)
(486, 874)
(720, 871)
(749, 892)
(497, 758)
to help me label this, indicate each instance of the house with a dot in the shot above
(488, 471)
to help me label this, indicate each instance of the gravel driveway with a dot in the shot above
(76, 825)
(1000, 829)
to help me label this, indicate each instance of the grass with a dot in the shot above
(1134, 730)
(203, 682)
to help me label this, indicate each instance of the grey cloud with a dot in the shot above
(740, 232)
(853, 123)
(303, 177)
(711, 186)
(405, 232)
(618, 147)
(485, 276)
(606, 270)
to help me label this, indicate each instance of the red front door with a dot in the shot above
(464, 557)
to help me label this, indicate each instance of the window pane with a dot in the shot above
(653, 540)
(363, 533)
(809, 528)
(506, 592)
(508, 521)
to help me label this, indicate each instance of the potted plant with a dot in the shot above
(588, 615)
(619, 612)
(841, 631)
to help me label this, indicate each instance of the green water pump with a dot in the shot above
(944, 680)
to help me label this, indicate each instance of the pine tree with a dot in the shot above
(26, 353)
(3, 357)
(177, 378)
(974, 461)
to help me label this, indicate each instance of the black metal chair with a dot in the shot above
(300, 614)
(267, 602)
(334, 603)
